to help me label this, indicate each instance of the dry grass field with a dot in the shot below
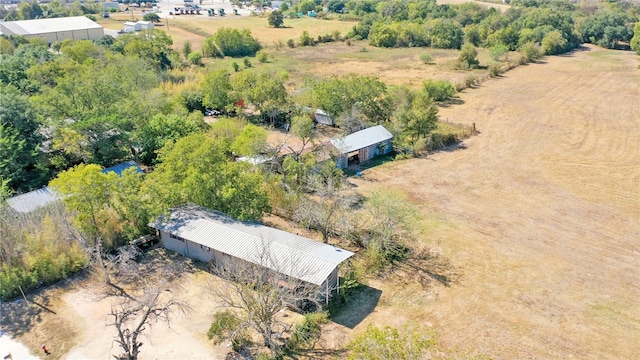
(539, 213)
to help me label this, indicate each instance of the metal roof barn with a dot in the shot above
(362, 139)
(33, 200)
(293, 255)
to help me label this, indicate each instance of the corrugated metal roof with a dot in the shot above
(33, 200)
(43, 26)
(120, 168)
(362, 139)
(278, 250)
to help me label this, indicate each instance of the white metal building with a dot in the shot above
(54, 29)
(33, 200)
(367, 144)
(131, 26)
(207, 235)
(145, 25)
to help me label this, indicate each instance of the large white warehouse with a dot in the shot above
(54, 29)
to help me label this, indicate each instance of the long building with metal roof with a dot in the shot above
(54, 29)
(207, 235)
(33, 200)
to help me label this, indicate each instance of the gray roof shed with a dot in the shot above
(290, 254)
(362, 139)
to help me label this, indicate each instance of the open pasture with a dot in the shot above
(539, 213)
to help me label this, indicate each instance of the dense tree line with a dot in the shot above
(557, 26)
(34, 10)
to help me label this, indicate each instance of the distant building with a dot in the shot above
(54, 29)
(366, 144)
(210, 236)
(145, 25)
(33, 200)
(131, 26)
(322, 117)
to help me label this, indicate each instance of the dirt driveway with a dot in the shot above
(540, 212)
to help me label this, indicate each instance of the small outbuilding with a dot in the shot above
(33, 200)
(131, 26)
(210, 236)
(145, 25)
(365, 144)
(322, 117)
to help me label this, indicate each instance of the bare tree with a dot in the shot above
(325, 204)
(131, 317)
(257, 295)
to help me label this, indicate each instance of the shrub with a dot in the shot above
(226, 325)
(291, 43)
(247, 63)
(195, 58)
(426, 58)
(388, 343)
(439, 90)
(236, 43)
(307, 333)
(306, 39)
(235, 66)
(468, 58)
(262, 56)
(495, 70)
(530, 52)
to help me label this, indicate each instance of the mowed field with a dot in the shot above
(539, 214)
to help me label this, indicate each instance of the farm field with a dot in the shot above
(539, 214)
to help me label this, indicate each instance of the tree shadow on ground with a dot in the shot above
(450, 102)
(428, 268)
(573, 52)
(361, 302)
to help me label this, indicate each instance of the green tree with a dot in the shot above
(236, 43)
(438, 90)
(445, 34)
(336, 95)
(276, 19)
(196, 169)
(87, 191)
(468, 58)
(154, 46)
(306, 6)
(153, 17)
(498, 52)
(264, 90)
(635, 41)
(186, 49)
(553, 43)
(305, 39)
(421, 118)
(20, 161)
(160, 129)
(216, 90)
(251, 141)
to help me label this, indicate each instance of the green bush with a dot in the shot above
(291, 43)
(308, 332)
(388, 343)
(439, 90)
(262, 56)
(236, 43)
(195, 58)
(426, 58)
(227, 326)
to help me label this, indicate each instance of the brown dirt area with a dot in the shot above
(539, 215)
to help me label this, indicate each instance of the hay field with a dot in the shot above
(539, 213)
